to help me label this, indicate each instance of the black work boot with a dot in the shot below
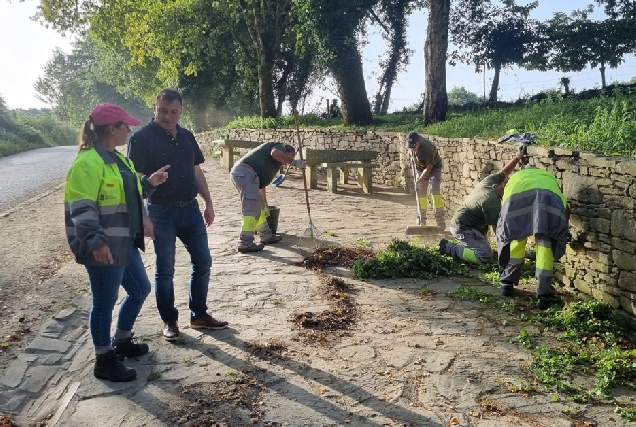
(129, 347)
(109, 367)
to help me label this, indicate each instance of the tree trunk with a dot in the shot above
(492, 96)
(346, 67)
(266, 84)
(383, 96)
(602, 70)
(435, 52)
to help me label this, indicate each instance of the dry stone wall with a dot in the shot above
(599, 261)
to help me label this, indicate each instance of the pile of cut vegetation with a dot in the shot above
(405, 259)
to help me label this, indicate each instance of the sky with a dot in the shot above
(26, 46)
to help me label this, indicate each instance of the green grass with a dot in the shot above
(154, 376)
(21, 131)
(605, 124)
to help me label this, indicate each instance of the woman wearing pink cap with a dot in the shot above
(105, 227)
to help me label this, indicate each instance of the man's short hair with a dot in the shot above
(290, 148)
(170, 95)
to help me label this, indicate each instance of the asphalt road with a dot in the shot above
(26, 174)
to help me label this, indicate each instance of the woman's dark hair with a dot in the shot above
(90, 134)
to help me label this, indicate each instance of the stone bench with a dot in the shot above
(365, 174)
(316, 158)
(227, 150)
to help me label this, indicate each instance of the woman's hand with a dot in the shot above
(103, 255)
(159, 177)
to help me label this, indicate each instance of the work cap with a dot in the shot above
(109, 114)
(290, 148)
(411, 139)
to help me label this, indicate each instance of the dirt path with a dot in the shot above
(407, 359)
(33, 249)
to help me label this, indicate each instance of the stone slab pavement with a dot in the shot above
(408, 360)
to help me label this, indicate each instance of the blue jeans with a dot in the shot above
(105, 281)
(172, 222)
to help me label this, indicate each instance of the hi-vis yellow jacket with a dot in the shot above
(95, 210)
(532, 204)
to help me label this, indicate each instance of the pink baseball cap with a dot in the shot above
(109, 114)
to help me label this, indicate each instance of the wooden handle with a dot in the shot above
(300, 150)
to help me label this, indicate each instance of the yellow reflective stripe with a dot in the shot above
(423, 203)
(249, 224)
(518, 249)
(545, 258)
(469, 255)
(262, 218)
(438, 201)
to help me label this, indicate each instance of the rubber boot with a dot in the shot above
(109, 367)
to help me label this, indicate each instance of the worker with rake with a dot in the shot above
(250, 175)
(478, 211)
(428, 164)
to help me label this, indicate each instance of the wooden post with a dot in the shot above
(227, 158)
(344, 175)
(365, 177)
(311, 175)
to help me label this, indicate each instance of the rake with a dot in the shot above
(312, 237)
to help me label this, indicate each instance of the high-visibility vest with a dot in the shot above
(95, 209)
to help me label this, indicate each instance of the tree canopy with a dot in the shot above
(490, 34)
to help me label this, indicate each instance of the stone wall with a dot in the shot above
(600, 260)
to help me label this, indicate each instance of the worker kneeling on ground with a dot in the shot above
(479, 210)
(251, 174)
(532, 204)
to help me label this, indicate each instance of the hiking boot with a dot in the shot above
(274, 238)
(171, 331)
(206, 321)
(507, 290)
(129, 347)
(543, 303)
(442, 246)
(109, 367)
(252, 247)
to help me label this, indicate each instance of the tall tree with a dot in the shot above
(335, 23)
(492, 34)
(188, 39)
(265, 22)
(73, 84)
(392, 16)
(435, 52)
(577, 41)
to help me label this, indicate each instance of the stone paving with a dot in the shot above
(408, 361)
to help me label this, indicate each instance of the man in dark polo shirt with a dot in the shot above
(174, 210)
(250, 175)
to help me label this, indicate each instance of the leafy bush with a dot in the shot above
(25, 130)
